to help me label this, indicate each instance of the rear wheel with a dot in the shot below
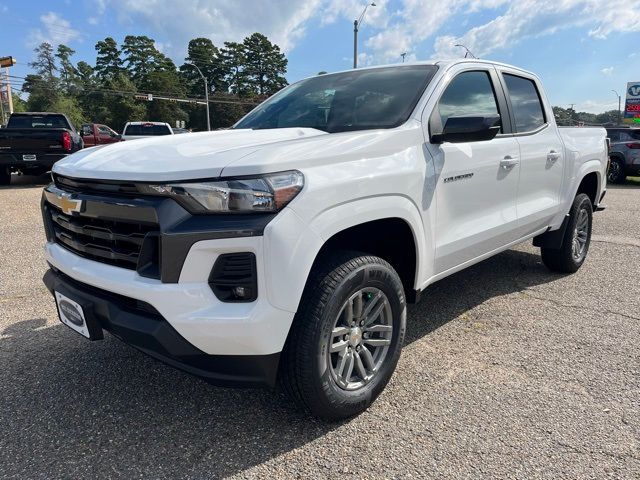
(5, 176)
(577, 237)
(346, 337)
(616, 171)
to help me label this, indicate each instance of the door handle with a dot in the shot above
(553, 156)
(509, 162)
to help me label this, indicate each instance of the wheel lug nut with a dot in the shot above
(362, 323)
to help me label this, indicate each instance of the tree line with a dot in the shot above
(569, 117)
(239, 74)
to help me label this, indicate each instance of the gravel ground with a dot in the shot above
(508, 371)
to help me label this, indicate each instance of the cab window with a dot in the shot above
(525, 102)
(470, 93)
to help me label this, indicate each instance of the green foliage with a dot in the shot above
(108, 62)
(68, 73)
(142, 58)
(265, 65)
(105, 93)
(45, 61)
(19, 105)
(569, 117)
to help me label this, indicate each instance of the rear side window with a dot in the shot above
(470, 93)
(147, 130)
(526, 104)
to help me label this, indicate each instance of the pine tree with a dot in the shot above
(265, 64)
(108, 61)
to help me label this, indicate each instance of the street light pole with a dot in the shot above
(619, 114)
(468, 51)
(206, 93)
(356, 26)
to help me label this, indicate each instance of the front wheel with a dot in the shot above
(577, 238)
(347, 336)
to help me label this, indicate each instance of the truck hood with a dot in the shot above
(175, 157)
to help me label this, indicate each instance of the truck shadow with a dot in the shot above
(27, 181)
(69, 407)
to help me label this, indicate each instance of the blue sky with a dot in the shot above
(581, 49)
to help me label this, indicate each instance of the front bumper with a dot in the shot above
(143, 327)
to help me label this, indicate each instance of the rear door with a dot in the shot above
(476, 182)
(542, 155)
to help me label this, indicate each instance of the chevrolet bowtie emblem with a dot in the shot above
(68, 205)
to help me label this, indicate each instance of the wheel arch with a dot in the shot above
(346, 226)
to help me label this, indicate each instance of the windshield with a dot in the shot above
(356, 100)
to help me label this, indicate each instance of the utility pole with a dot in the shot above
(7, 62)
(403, 55)
(356, 26)
(206, 93)
(619, 112)
(10, 97)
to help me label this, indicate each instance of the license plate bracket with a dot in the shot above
(74, 315)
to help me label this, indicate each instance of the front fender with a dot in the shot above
(292, 245)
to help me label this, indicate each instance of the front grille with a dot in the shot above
(114, 242)
(95, 186)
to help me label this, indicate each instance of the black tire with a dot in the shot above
(5, 176)
(564, 259)
(306, 372)
(616, 173)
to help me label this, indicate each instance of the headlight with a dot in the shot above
(267, 193)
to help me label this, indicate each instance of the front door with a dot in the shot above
(477, 182)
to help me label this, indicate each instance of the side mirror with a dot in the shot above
(472, 128)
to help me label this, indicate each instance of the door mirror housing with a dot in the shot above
(468, 128)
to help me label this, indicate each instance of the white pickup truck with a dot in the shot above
(285, 249)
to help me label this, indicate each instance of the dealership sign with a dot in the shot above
(632, 103)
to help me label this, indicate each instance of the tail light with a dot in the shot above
(66, 141)
(633, 146)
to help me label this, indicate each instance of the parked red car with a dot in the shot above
(95, 134)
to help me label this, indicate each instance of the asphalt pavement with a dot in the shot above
(508, 371)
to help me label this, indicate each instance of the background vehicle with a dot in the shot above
(624, 153)
(33, 141)
(96, 134)
(287, 247)
(133, 130)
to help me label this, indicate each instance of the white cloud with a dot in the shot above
(607, 71)
(412, 26)
(283, 21)
(55, 30)
(533, 18)
(596, 106)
